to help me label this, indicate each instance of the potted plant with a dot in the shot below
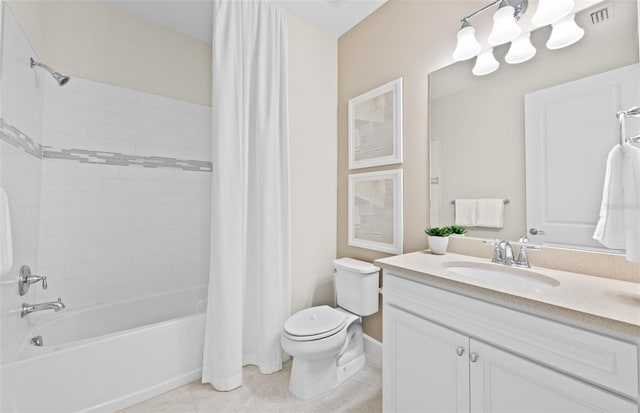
(457, 230)
(438, 238)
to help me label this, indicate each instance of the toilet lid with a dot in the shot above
(313, 321)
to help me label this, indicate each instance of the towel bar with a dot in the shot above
(622, 115)
(506, 201)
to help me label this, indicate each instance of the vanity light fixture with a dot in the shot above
(485, 63)
(557, 13)
(504, 30)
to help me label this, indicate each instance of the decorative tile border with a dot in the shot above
(11, 135)
(14, 137)
(115, 158)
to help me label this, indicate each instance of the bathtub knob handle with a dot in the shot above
(25, 279)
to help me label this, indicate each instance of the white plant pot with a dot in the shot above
(438, 245)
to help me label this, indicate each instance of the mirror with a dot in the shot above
(477, 124)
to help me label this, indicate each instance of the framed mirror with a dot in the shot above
(477, 124)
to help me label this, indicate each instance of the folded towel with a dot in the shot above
(466, 212)
(490, 213)
(6, 247)
(619, 224)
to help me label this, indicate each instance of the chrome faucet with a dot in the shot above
(503, 253)
(31, 308)
(26, 278)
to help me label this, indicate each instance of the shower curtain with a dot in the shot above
(249, 278)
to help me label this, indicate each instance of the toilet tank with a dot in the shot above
(356, 286)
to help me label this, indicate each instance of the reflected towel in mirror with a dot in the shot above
(486, 213)
(466, 212)
(490, 213)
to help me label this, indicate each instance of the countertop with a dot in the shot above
(607, 303)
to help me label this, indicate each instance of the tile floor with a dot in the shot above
(269, 393)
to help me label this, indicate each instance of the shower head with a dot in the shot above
(635, 112)
(61, 79)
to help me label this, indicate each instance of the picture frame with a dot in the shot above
(375, 211)
(375, 126)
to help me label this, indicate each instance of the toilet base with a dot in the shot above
(316, 377)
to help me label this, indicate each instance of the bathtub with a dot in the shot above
(108, 357)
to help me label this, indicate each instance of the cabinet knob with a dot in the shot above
(474, 357)
(460, 350)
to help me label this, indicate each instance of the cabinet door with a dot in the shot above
(503, 382)
(422, 370)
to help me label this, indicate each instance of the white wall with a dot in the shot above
(313, 62)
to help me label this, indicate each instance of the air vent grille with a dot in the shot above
(602, 15)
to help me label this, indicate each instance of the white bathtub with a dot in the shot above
(108, 357)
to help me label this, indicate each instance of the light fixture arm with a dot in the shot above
(474, 14)
(520, 6)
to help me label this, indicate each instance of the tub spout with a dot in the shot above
(52, 305)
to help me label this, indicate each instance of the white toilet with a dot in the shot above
(325, 342)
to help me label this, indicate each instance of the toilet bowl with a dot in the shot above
(325, 342)
(324, 359)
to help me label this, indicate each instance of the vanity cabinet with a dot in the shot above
(446, 352)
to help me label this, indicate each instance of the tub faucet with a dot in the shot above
(31, 308)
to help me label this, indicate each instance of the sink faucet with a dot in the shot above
(52, 305)
(503, 253)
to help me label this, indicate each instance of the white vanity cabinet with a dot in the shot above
(446, 352)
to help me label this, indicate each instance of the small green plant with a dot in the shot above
(438, 231)
(458, 230)
(445, 231)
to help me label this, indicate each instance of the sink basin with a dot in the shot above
(500, 274)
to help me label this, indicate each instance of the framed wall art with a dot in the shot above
(375, 211)
(375, 127)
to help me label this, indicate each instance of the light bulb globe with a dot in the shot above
(505, 27)
(564, 32)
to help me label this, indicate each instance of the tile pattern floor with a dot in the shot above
(270, 393)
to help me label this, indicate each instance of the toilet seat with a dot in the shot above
(314, 323)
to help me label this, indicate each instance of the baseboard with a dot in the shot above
(373, 348)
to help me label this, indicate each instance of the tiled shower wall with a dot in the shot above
(125, 193)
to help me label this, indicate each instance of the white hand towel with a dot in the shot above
(490, 213)
(610, 230)
(466, 212)
(631, 194)
(6, 246)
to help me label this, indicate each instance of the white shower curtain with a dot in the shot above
(249, 276)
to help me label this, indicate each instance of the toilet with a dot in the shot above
(325, 342)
